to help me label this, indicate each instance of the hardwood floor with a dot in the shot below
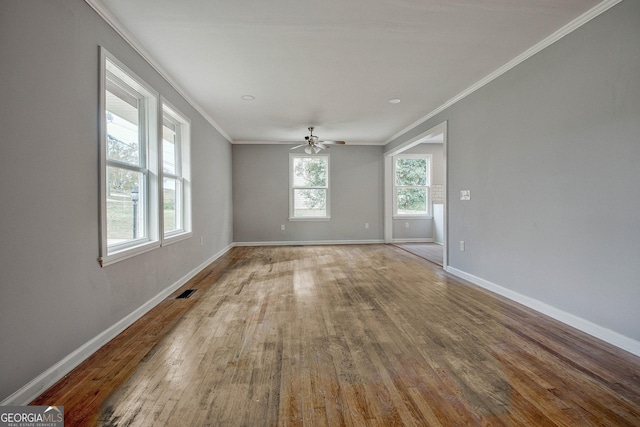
(430, 251)
(348, 335)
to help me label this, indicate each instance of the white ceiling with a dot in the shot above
(333, 64)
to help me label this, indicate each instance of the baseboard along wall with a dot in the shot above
(48, 378)
(593, 329)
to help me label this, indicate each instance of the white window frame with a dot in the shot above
(182, 173)
(112, 68)
(429, 179)
(326, 217)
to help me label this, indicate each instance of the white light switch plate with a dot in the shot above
(465, 194)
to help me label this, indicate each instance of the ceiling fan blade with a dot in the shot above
(314, 144)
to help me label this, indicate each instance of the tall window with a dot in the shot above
(309, 187)
(144, 175)
(412, 180)
(175, 173)
(129, 162)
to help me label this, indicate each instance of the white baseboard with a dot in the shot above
(310, 243)
(418, 240)
(607, 335)
(42, 382)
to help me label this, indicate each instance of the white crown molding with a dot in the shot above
(570, 27)
(137, 46)
(48, 378)
(557, 35)
(265, 142)
(377, 143)
(595, 330)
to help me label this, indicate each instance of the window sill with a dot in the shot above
(127, 253)
(173, 238)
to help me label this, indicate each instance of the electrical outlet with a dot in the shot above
(282, 227)
(366, 225)
(406, 225)
(462, 245)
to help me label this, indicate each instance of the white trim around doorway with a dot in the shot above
(440, 129)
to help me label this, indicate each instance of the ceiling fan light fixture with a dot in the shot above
(394, 101)
(248, 97)
(313, 144)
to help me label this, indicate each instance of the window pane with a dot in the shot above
(412, 201)
(411, 172)
(169, 148)
(309, 202)
(123, 134)
(126, 210)
(172, 204)
(310, 172)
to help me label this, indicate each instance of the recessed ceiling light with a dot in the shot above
(248, 97)
(394, 101)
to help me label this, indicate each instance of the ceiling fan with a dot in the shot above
(313, 143)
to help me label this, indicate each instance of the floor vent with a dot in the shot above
(186, 294)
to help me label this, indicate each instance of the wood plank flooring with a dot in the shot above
(349, 335)
(430, 251)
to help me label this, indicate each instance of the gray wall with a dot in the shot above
(261, 195)
(421, 228)
(551, 154)
(54, 297)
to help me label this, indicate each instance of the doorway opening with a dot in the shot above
(423, 234)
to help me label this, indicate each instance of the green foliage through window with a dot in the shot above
(310, 185)
(411, 171)
(411, 185)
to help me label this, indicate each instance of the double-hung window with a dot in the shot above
(411, 189)
(144, 166)
(308, 187)
(128, 159)
(175, 174)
